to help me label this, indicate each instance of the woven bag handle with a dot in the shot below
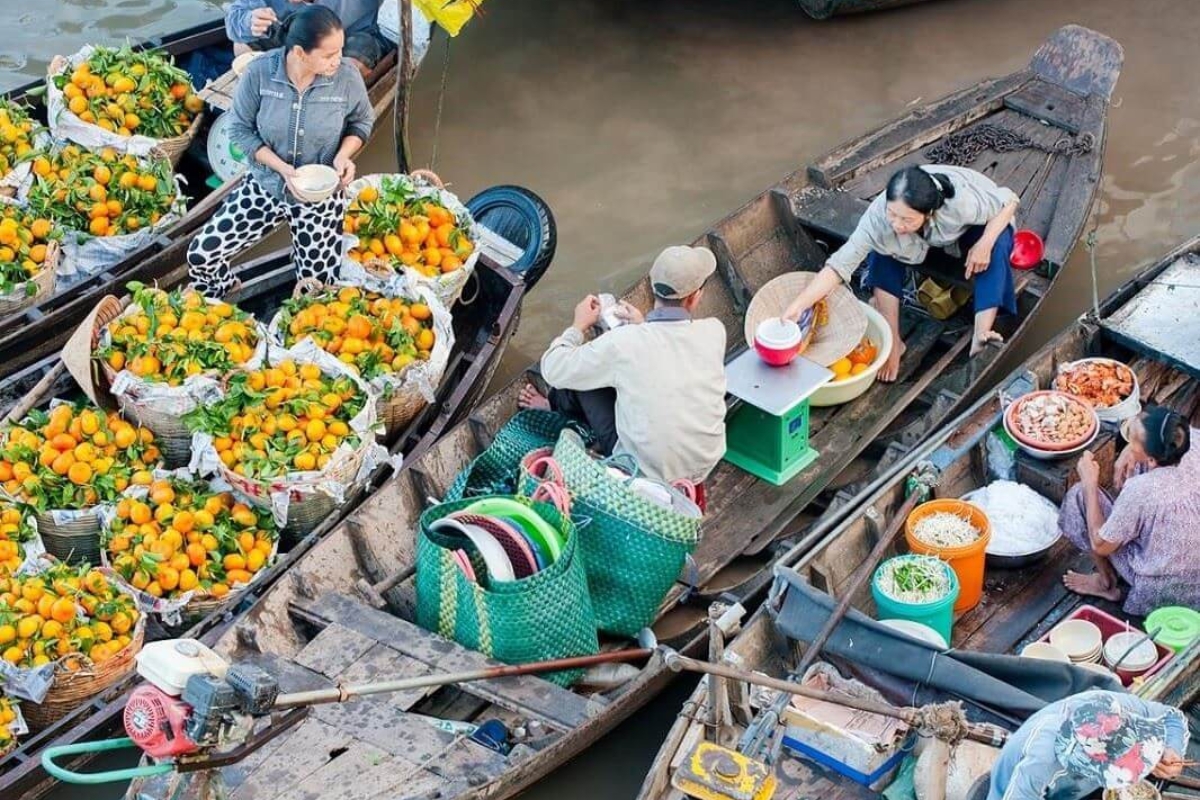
(429, 176)
(540, 466)
(555, 494)
(686, 487)
(624, 462)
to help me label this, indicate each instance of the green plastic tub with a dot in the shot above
(938, 614)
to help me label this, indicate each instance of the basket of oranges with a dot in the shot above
(65, 462)
(12, 724)
(107, 204)
(130, 100)
(19, 540)
(166, 353)
(291, 435)
(185, 548)
(411, 225)
(19, 135)
(29, 254)
(67, 633)
(395, 338)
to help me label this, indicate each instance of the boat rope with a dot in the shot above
(962, 148)
(437, 117)
(945, 721)
(1090, 241)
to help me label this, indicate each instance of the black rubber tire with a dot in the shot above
(523, 218)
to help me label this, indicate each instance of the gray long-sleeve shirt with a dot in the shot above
(356, 15)
(300, 127)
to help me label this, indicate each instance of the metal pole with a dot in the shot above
(342, 693)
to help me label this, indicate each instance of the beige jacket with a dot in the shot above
(976, 200)
(670, 382)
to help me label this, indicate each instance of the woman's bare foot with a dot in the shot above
(532, 398)
(891, 367)
(1092, 584)
(981, 341)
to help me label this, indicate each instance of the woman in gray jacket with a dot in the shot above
(301, 104)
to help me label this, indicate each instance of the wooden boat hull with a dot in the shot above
(778, 231)
(824, 9)
(43, 328)
(1021, 604)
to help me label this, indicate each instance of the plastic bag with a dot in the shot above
(452, 15)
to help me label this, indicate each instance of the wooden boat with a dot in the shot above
(42, 328)
(481, 337)
(1020, 603)
(824, 9)
(311, 628)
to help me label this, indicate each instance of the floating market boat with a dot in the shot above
(1024, 597)
(42, 328)
(824, 9)
(315, 610)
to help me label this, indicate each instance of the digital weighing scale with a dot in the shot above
(766, 434)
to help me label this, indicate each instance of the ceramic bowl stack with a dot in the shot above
(1079, 640)
(1044, 652)
(1133, 662)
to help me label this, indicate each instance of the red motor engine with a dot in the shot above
(157, 723)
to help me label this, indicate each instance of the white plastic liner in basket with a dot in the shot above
(20, 177)
(282, 489)
(424, 376)
(169, 609)
(195, 391)
(446, 286)
(84, 255)
(65, 124)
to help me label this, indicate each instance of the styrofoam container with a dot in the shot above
(838, 392)
(169, 663)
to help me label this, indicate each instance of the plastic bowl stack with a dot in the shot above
(1080, 640)
(1044, 652)
(1141, 658)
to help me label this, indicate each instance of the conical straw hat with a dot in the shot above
(845, 328)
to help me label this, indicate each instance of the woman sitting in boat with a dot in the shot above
(255, 25)
(1146, 537)
(301, 104)
(939, 216)
(1087, 742)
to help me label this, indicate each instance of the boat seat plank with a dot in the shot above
(333, 650)
(1081, 178)
(290, 758)
(375, 721)
(382, 663)
(1049, 102)
(360, 772)
(466, 760)
(915, 130)
(530, 695)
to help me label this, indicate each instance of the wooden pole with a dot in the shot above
(404, 76)
(34, 396)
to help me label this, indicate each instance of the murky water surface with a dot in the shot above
(642, 123)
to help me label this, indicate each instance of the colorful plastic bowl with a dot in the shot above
(778, 341)
(1028, 249)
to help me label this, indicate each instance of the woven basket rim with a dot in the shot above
(847, 321)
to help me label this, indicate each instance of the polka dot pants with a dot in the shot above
(247, 216)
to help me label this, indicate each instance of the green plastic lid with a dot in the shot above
(1180, 626)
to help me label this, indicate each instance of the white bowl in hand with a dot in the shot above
(314, 183)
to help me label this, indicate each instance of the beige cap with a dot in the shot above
(680, 270)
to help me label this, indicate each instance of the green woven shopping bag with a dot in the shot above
(545, 616)
(634, 549)
(494, 471)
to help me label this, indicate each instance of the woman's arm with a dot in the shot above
(980, 255)
(826, 281)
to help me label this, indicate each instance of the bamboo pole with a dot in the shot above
(404, 76)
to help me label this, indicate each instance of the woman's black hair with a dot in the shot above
(924, 192)
(307, 26)
(1168, 436)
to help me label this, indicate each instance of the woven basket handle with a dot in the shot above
(428, 176)
(687, 488)
(624, 462)
(554, 493)
(545, 469)
(305, 287)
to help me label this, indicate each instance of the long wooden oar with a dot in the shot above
(34, 396)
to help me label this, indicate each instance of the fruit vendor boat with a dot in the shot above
(1023, 599)
(316, 626)
(42, 328)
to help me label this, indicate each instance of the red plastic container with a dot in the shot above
(778, 342)
(1027, 251)
(1109, 625)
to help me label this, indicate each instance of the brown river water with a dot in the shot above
(642, 123)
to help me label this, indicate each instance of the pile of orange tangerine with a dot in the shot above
(856, 362)
(399, 229)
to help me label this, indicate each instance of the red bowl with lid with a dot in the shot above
(1028, 249)
(778, 341)
(1013, 412)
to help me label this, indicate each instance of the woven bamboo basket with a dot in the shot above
(72, 689)
(193, 612)
(172, 148)
(18, 300)
(397, 408)
(75, 542)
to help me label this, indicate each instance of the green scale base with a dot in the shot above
(774, 448)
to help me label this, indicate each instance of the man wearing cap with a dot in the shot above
(1089, 741)
(653, 388)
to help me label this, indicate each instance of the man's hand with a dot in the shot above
(261, 20)
(345, 168)
(978, 258)
(587, 313)
(1089, 470)
(627, 312)
(1169, 766)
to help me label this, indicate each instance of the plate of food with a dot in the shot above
(1051, 423)
(1108, 385)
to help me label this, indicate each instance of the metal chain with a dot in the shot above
(962, 148)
